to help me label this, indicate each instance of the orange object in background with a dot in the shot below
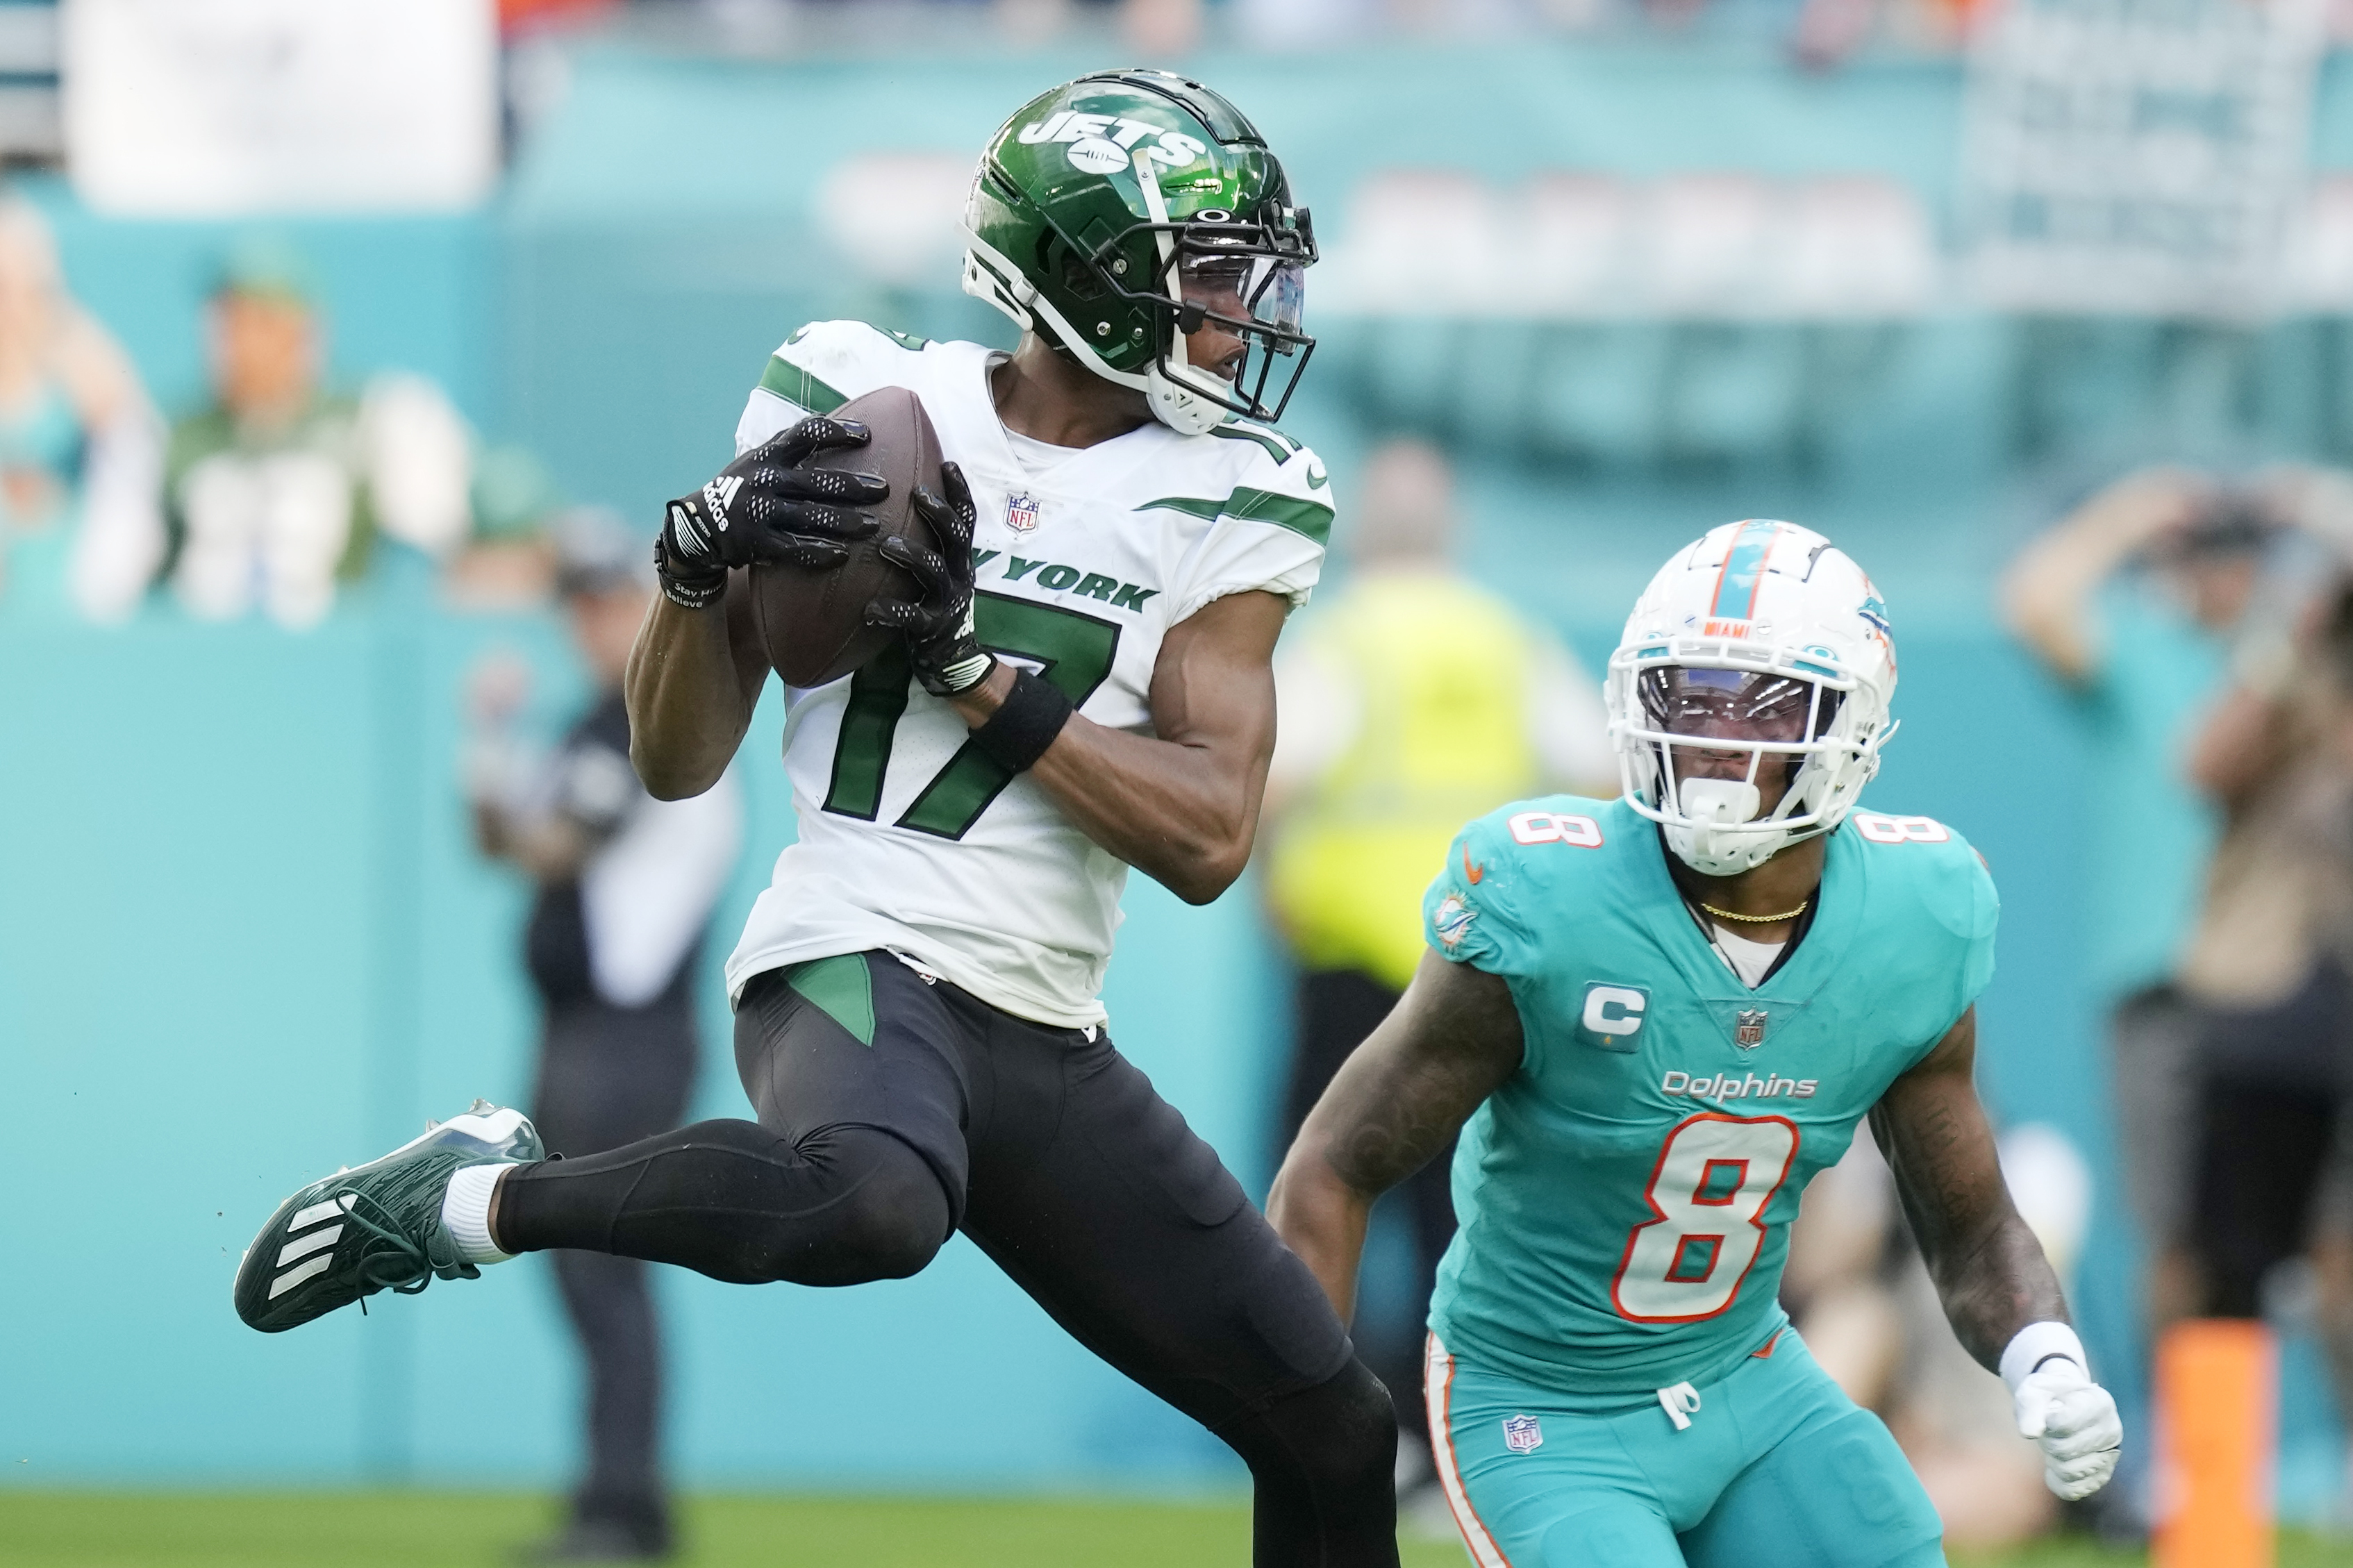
(517, 16)
(2217, 1426)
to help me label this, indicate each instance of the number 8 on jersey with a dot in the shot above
(1716, 1176)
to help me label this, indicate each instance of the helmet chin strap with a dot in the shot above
(1714, 806)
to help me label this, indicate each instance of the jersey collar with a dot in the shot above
(1821, 941)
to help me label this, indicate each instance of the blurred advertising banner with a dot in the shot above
(2139, 156)
(223, 107)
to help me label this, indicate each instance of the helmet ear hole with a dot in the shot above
(1067, 268)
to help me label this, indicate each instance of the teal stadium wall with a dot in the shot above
(243, 938)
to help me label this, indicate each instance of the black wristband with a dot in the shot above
(688, 591)
(1020, 730)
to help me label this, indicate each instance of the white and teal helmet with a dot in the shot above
(1762, 637)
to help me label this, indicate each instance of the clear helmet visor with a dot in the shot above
(1277, 294)
(1742, 708)
(1260, 290)
(1733, 743)
(1240, 325)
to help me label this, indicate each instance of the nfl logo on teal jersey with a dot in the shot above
(1748, 1030)
(1522, 1434)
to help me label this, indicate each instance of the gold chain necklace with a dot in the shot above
(1758, 919)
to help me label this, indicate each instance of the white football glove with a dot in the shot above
(2073, 1418)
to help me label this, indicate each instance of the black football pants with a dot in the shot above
(2270, 1097)
(893, 1110)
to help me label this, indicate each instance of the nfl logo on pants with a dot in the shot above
(1522, 1433)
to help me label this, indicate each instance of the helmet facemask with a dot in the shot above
(1737, 763)
(1239, 279)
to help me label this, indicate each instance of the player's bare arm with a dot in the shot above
(1452, 1041)
(694, 677)
(1989, 1270)
(695, 674)
(1181, 805)
(1999, 1290)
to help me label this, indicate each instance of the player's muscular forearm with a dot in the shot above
(1181, 805)
(1450, 1041)
(694, 676)
(1989, 1269)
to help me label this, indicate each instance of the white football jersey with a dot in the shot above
(910, 838)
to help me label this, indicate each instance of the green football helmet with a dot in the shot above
(1123, 211)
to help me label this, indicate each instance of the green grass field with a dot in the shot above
(428, 1530)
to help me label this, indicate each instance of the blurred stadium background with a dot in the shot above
(1641, 268)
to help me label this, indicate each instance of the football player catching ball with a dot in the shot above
(1655, 1019)
(1083, 685)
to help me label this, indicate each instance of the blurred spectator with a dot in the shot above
(2233, 1008)
(2133, 601)
(1411, 702)
(627, 886)
(279, 489)
(2266, 971)
(510, 562)
(78, 440)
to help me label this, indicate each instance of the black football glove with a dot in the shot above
(764, 506)
(938, 624)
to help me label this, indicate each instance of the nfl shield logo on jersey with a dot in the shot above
(1022, 513)
(1522, 1433)
(1748, 1030)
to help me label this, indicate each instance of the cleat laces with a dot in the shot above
(389, 1257)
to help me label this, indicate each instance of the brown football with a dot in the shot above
(812, 624)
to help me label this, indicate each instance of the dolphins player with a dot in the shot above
(1655, 1019)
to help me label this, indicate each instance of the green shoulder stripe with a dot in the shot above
(1269, 439)
(1191, 506)
(1310, 520)
(794, 384)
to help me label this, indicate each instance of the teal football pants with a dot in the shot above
(1777, 1470)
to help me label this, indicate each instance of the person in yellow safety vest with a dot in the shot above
(1410, 701)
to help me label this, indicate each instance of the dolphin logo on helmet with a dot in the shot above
(1123, 211)
(1758, 619)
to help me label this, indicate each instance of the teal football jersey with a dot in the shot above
(1625, 1198)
